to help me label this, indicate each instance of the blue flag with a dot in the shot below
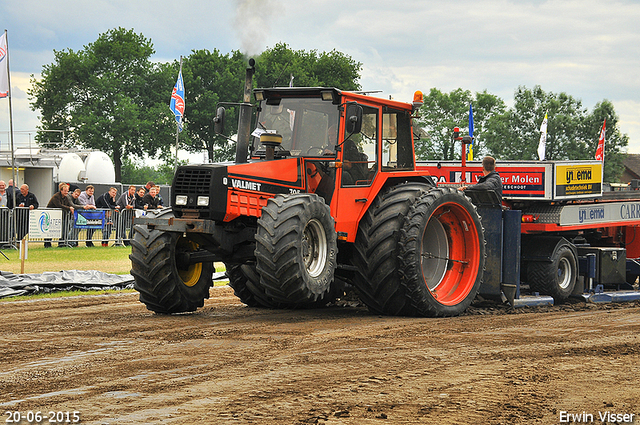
(177, 100)
(470, 156)
(470, 121)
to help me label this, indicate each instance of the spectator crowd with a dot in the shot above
(71, 199)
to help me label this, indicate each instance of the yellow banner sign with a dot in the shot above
(578, 179)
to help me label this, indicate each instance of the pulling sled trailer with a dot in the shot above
(575, 239)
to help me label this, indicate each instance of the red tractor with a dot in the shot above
(324, 192)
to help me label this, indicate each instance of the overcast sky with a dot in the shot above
(589, 49)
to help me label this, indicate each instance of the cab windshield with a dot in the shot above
(308, 126)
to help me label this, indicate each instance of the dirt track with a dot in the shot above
(117, 363)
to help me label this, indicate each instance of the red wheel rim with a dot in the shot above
(450, 253)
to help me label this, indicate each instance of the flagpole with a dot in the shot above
(178, 124)
(13, 156)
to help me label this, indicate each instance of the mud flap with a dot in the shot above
(503, 246)
(511, 249)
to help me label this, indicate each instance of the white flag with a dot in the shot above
(4, 67)
(543, 139)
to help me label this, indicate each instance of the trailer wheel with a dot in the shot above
(441, 253)
(376, 250)
(556, 278)
(165, 285)
(296, 249)
(245, 282)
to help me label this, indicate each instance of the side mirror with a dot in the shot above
(218, 121)
(354, 118)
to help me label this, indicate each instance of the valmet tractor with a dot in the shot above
(324, 191)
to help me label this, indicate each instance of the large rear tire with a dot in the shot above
(165, 285)
(441, 253)
(296, 249)
(376, 250)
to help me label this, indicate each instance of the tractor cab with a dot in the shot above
(343, 146)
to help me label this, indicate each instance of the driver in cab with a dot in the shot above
(353, 161)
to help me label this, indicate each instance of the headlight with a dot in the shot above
(181, 199)
(203, 201)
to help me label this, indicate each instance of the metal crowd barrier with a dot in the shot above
(116, 230)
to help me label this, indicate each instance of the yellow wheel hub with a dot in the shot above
(191, 276)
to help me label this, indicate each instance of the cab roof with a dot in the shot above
(337, 96)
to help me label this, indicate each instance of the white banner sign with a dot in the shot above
(601, 213)
(45, 224)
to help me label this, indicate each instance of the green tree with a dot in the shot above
(615, 142)
(572, 132)
(209, 78)
(134, 173)
(107, 96)
(442, 112)
(276, 66)
(516, 134)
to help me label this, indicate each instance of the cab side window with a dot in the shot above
(397, 149)
(360, 160)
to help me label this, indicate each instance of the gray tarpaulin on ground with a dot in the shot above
(67, 280)
(21, 284)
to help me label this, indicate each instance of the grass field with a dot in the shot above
(112, 259)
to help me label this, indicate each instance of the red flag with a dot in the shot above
(600, 150)
(4, 66)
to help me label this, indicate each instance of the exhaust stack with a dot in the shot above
(244, 120)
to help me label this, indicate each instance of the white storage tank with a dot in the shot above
(70, 168)
(99, 168)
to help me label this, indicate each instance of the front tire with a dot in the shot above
(165, 285)
(296, 249)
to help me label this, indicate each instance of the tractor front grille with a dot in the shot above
(193, 180)
(201, 181)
